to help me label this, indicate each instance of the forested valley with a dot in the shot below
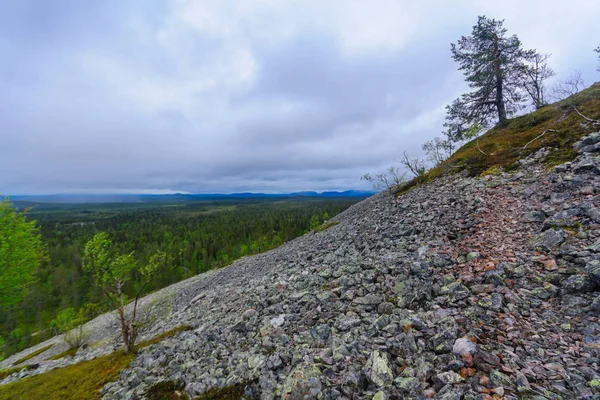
(197, 236)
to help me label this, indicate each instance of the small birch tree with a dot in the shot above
(112, 271)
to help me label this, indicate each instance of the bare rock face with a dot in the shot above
(461, 288)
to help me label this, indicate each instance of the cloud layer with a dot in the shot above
(253, 95)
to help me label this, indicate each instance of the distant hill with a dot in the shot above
(177, 197)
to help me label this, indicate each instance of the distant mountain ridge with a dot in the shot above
(147, 198)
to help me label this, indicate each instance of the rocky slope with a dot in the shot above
(466, 287)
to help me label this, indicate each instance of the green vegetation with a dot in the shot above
(197, 236)
(69, 352)
(169, 390)
(233, 392)
(21, 251)
(111, 271)
(7, 372)
(31, 355)
(166, 390)
(79, 381)
(70, 323)
(164, 335)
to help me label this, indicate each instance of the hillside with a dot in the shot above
(478, 284)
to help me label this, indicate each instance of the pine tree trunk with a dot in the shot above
(500, 100)
(499, 84)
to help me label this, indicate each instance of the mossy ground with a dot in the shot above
(77, 382)
(234, 392)
(505, 144)
(69, 352)
(168, 390)
(80, 381)
(30, 356)
(6, 372)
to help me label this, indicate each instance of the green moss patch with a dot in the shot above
(234, 392)
(7, 372)
(30, 356)
(80, 381)
(69, 352)
(77, 382)
(162, 336)
(166, 390)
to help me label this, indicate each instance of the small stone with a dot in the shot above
(368, 300)
(249, 313)
(549, 239)
(484, 380)
(421, 269)
(321, 333)
(449, 378)
(379, 370)
(522, 383)
(379, 396)
(464, 346)
(493, 302)
(278, 321)
(482, 358)
(499, 391)
(455, 290)
(500, 379)
(577, 284)
(303, 383)
(386, 308)
(407, 384)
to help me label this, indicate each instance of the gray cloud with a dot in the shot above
(206, 96)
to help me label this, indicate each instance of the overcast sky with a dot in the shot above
(198, 96)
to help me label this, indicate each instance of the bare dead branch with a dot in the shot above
(538, 137)
(593, 121)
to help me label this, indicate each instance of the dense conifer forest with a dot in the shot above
(197, 236)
